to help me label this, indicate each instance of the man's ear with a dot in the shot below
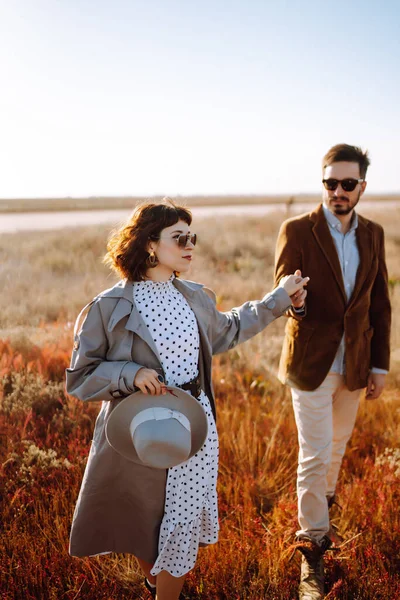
(363, 186)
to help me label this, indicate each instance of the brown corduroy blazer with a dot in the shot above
(311, 342)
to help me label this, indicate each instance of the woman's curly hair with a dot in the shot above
(127, 246)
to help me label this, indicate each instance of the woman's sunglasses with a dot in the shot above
(182, 240)
(348, 185)
(185, 238)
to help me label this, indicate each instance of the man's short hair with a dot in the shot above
(346, 153)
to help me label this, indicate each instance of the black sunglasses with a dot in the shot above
(348, 185)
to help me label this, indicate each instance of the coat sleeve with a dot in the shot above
(380, 312)
(288, 258)
(227, 329)
(91, 376)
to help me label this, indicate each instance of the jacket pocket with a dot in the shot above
(298, 337)
(365, 356)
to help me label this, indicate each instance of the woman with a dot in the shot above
(152, 329)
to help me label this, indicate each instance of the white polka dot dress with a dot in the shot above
(191, 508)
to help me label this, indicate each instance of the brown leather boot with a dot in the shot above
(312, 568)
(149, 587)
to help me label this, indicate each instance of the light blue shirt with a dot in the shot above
(349, 259)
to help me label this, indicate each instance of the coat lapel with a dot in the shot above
(188, 290)
(364, 244)
(324, 239)
(126, 306)
(136, 324)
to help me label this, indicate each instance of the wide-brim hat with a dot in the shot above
(158, 431)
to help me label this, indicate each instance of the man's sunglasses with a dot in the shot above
(348, 185)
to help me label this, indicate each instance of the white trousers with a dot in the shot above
(325, 419)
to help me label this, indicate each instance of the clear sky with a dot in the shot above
(115, 97)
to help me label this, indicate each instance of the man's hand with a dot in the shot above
(376, 383)
(299, 297)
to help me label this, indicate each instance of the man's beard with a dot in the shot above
(343, 209)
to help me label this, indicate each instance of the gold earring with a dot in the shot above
(152, 260)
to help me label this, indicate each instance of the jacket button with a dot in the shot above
(271, 304)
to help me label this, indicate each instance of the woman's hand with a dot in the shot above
(294, 286)
(149, 382)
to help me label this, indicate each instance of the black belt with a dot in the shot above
(193, 387)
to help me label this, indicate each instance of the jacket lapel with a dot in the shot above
(126, 306)
(324, 239)
(364, 244)
(136, 324)
(188, 289)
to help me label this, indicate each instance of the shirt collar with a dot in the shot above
(335, 223)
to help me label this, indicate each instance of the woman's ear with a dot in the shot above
(151, 246)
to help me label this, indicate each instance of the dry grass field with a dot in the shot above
(16, 205)
(104, 203)
(45, 435)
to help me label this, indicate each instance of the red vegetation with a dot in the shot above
(45, 437)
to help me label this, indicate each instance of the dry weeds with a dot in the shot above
(46, 278)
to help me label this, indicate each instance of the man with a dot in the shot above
(335, 344)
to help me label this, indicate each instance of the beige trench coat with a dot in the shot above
(121, 504)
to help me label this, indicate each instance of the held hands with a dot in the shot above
(299, 297)
(150, 382)
(294, 286)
